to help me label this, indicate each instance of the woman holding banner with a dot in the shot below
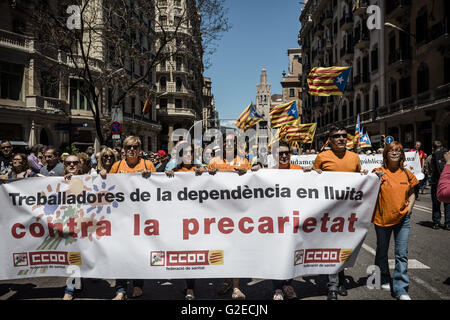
(131, 164)
(185, 152)
(392, 215)
(229, 160)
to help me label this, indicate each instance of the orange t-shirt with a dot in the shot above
(184, 169)
(290, 166)
(223, 165)
(328, 161)
(392, 202)
(122, 167)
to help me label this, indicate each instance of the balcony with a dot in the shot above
(347, 53)
(437, 35)
(46, 103)
(361, 80)
(319, 30)
(432, 99)
(177, 112)
(397, 8)
(16, 41)
(360, 7)
(361, 40)
(399, 56)
(346, 22)
(327, 18)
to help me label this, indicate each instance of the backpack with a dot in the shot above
(438, 162)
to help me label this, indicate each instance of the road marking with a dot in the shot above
(430, 287)
(412, 263)
(422, 207)
(427, 211)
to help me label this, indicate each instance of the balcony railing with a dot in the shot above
(397, 5)
(46, 103)
(436, 31)
(420, 101)
(400, 54)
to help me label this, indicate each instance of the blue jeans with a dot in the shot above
(400, 282)
(437, 207)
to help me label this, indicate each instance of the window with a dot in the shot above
(374, 59)
(404, 88)
(11, 76)
(49, 85)
(366, 103)
(291, 92)
(78, 100)
(163, 20)
(421, 25)
(375, 97)
(358, 104)
(422, 78)
(133, 106)
(162, 84)
(351, 111)
(178, 103)
(344, 111)
(179, 84)
(163, 103)
(392, 91)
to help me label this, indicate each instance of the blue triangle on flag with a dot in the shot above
(253, 113)
(293, 110)
(341, 80)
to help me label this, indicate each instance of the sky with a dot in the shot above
(261, 32)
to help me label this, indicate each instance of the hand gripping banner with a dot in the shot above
(271, 224)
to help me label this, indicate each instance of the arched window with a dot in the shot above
(344, 111)
(422, 78)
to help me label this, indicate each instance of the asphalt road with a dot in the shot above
(429, 271)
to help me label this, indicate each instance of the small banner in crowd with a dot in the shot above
(368, 162)
(271, 224)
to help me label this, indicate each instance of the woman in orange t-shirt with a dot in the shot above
(392, 214)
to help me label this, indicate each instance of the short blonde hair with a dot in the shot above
(132, 140)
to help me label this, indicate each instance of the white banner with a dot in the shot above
(368, 162)
(271, 224)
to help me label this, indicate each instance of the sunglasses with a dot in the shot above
(7, 147)
(339, 135)
(17, 160)
(284, 153)
(108, 156)
(69, 163)
(134, 146)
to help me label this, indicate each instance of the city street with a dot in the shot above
(429, 272)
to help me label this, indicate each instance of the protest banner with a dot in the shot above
(272, 224)
(368, 162)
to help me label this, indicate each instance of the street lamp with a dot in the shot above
(387, 24)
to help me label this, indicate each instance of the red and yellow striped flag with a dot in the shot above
(146, 108)
(283, 114)
(303, 133)
(248, 118)
(328, 81)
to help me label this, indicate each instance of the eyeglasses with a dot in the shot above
(394, 151)
(17, 160)
(108, 156)
(48, 156)
(134, 146)
(339, 135)
(69, 163)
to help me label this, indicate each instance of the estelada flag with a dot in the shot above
(328, 81)
(303, 133)
(283, 114)
(248, 118)
(364, 141)
(146, 108)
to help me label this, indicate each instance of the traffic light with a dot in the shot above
(382, 142)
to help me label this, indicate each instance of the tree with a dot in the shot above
(112, 47)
